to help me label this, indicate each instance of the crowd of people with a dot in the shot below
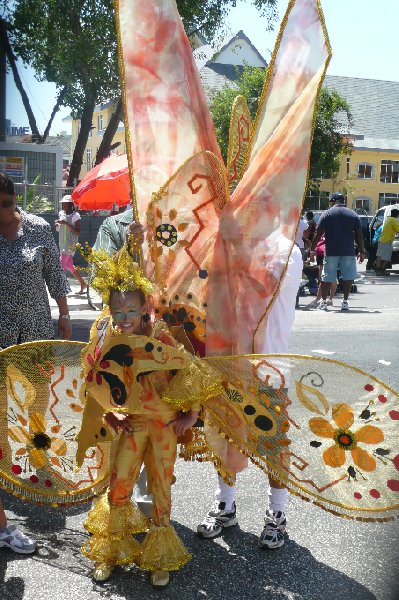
(329, 251)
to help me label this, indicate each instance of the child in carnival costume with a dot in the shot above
(148, 425)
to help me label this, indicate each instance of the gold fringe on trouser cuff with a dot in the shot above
(163, 550)
(112, 551)
(115, 522)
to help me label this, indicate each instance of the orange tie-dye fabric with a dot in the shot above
(166, 109)
(218, 260)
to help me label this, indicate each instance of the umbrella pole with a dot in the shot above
(127, 129)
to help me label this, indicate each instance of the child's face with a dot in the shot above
(127, 310)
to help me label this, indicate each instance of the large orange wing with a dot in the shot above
(183, 223)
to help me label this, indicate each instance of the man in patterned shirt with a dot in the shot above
(113, 231)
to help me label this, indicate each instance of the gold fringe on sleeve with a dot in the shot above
(163, 550)
(195, 384)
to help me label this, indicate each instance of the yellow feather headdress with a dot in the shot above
(118, 272)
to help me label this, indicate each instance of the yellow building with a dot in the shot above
(369, 176)
(101, 116)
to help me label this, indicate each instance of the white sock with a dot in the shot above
(276, 499)
(225, 493)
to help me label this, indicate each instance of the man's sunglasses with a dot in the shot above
(7, 203)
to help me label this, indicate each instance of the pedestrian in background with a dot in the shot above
(68, 226)
(384, 251)
(311, 230)
(373, 249)
(301, 236)
(341, 227)
(29, 262)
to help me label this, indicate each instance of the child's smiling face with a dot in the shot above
(127, 308)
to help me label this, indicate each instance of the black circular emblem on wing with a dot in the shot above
(249, 409)
(263, 423)
(166, 234)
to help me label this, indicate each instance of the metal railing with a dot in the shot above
(40, 198)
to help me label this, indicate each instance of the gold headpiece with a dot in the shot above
(118, 272)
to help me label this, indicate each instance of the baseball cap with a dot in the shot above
(66, 199)
(338, 197)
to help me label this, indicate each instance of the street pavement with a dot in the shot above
(324, 557)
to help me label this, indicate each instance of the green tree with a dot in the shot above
(208, 16)
(73, 44)
(328, 141)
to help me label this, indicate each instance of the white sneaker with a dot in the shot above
(217, 519)
(345, 305)
(323, 305)
(329, 302)
(11, 537)
(274, 530)
(313, 304)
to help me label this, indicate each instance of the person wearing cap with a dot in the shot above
(68, 226)
(341, 227)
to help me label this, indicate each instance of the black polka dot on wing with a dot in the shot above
(149, 347)
(159, 349)
(264, 423)
(249, 409)
(203, 274)
(189, 326)
(103, 431)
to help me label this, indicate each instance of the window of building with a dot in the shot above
(91, 131)
(362, 204)
(78, 127)
(389, 171)
(317, 200)
(88, 159)
(100, 124)
(348, 165)
(385, 199)
(364, 171)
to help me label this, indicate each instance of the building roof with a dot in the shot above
(375, 109)
(52, 140)
(241, 36)
(216, 75)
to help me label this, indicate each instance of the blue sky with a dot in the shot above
(362, 35)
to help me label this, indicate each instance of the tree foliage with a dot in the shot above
(333, 112)
(207, 16)
(72, 43)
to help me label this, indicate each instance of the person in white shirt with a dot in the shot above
(277, 333)
(301, 235)
(68, 226)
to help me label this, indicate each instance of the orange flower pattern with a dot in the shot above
(38, 444)
(346, 440)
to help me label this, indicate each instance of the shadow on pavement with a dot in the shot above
(235, 570)
(39, 519)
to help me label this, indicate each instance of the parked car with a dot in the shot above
(379, 219)
(365, 221)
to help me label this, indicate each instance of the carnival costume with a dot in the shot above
(214, 255)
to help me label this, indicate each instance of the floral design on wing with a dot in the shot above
(96, 366)
(37, 442)
(346, 440)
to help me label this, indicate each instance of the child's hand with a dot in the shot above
(118, 422)
(184, 421)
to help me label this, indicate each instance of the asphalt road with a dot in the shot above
(324, 557)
